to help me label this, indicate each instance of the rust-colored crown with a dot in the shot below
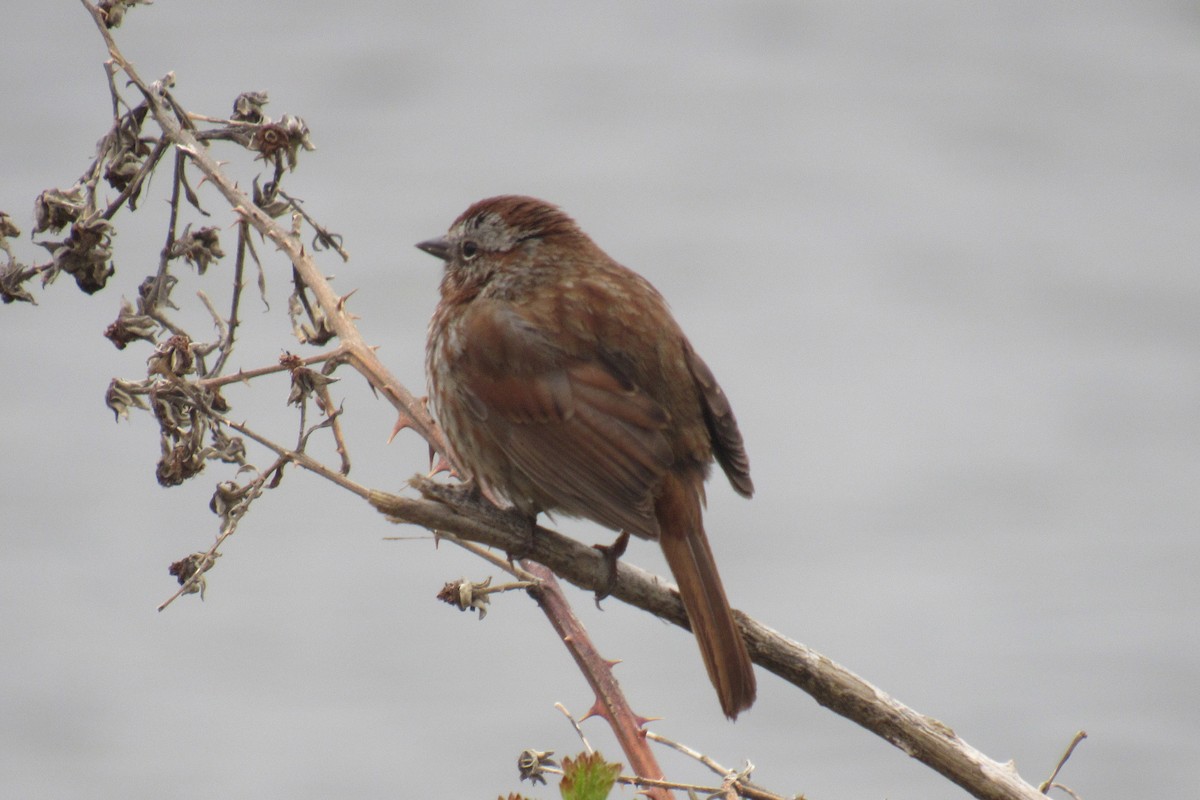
(527, 217)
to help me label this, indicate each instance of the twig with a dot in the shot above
(610, 700)
(1049, 783)
(575, 724)
(359, 353)
(511, 567)
(298, 458)
(135, 184)
(324, 237)
(157, 295)
(833, 686)
(335, 426)
(210, 556)
(245, 375)
(743, 787)
(231, 325)
(218, 323)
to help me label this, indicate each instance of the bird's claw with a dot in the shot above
(611, 553)
(526, 547)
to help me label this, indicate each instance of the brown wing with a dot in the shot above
(580, 437)
(722, 425)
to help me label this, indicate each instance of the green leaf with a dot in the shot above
(588, 777)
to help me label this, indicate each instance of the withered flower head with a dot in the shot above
(178, 464)
(172, 357)
(309, 323)
(123, 395)
(114, 10)
(12, 274)
(248, 107)
(54, 209)
(192, 568)
(200, 248)
(283, 138)
(85, 254)
(230, 501)
(123, 165)
(270, 139)
(12, 279)
(131, 326)
(8, 228)
(304, 382)
(532, 764)
(267, 198)
(467, 595)
(291, 361)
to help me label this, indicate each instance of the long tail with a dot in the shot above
(691, 561)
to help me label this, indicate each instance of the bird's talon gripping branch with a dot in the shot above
(611, 553)
(527, 546)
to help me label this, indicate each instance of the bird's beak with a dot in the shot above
(436, 247)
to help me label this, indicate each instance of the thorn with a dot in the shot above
(341, 303)
(402, 422)
(597, 710)
(205, 178)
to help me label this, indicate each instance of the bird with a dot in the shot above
(564, 385)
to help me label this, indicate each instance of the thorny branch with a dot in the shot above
(184, 377)
(182, 385)
(534, 764)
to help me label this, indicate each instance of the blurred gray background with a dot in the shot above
(942, 257)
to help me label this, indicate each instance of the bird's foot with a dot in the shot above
(526, 547)
(611, 553)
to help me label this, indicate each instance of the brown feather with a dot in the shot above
(578, 438)
(565, 385)
(690, 558)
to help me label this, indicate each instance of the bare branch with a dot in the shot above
(361, 355)
(928, 740)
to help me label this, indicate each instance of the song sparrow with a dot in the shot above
(564, 384)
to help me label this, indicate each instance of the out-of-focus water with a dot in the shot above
(943, 259)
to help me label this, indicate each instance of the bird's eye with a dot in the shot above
(469, 250)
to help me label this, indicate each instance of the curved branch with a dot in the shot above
(358, 352)
(930, 741)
